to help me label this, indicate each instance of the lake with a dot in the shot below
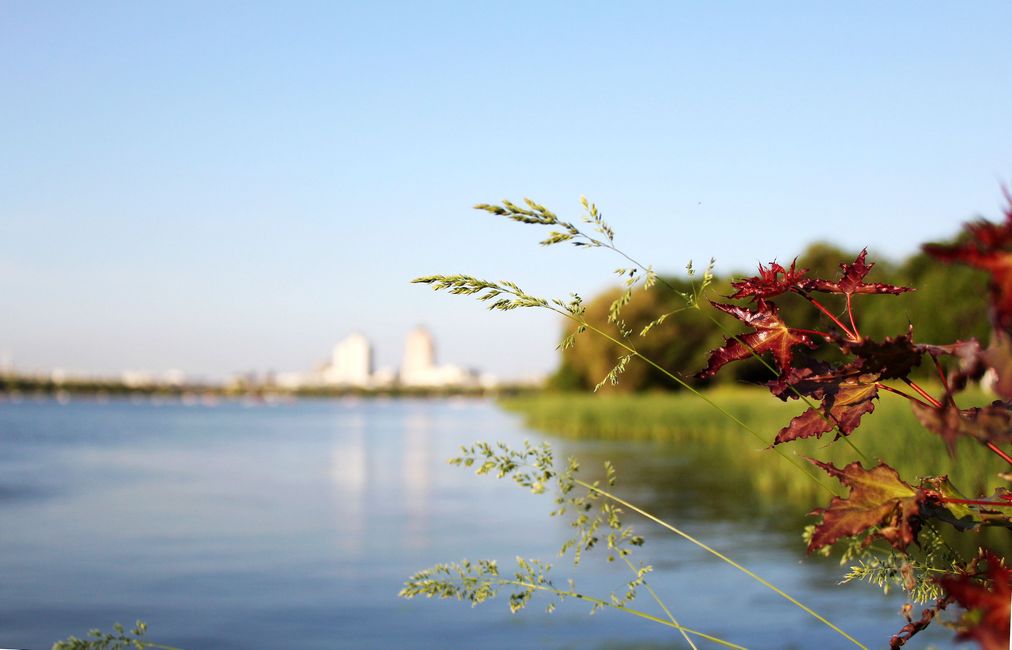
(294, 526)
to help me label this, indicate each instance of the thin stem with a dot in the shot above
(850, 312)
(621, 608)
(996, 449)
(945, 380)
(722, 557)
(936, 404)
(923, 393)
(818, 305)
(658, 600)
(978, 502)
(698, 394)
(910, 397)
(812, 332)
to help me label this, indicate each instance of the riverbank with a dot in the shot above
(891, 432)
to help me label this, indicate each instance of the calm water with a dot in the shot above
(294, 526)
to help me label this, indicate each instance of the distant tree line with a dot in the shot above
(949, 303)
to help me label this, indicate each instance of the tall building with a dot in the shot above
(351, 362)
(420, 369)
(419, 357)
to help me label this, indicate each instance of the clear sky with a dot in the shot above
(234, 185)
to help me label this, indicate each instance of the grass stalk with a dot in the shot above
(622, 608)
(723, 558)
(658, 600)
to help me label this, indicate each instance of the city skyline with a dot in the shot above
(350, 364)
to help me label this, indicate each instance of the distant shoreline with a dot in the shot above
(13, 387)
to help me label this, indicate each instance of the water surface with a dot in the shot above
(294, 526)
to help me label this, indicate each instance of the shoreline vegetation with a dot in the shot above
(681, 420)
(15, 386)
(678, 422)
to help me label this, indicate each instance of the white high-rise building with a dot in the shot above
(420, 369)
(351, 362)
(419, 357)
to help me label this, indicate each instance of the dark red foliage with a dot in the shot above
(985, 424)
(772, 280)
(804, 379)
(913, 627)
(845, 398)
(770, 334)
(891, 358)
(880, 503)
(988, 247)
(852, 280)
(986, 599)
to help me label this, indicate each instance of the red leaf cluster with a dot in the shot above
(881, 505)
(988, 247)
(986, 599)
(775, 279)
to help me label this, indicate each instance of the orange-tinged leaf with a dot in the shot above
(770, 334)
(880, 503)
(843, 404)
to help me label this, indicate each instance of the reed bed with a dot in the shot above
(691, 426)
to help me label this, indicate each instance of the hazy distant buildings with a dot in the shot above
(419, 357)
(350, 363)
(144, 379)
(419, 368)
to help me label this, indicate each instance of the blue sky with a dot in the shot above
(229, 186)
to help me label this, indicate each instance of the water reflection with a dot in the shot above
(349, 472)
(416, 477)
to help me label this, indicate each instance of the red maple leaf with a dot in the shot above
(770, 334)
(987, 248)
(852, 280)
(987, 604)
(985, 424)
(772, 280)
(891, 358)
(846, 396)
(879, 502)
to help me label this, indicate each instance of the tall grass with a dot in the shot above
(891, 432)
